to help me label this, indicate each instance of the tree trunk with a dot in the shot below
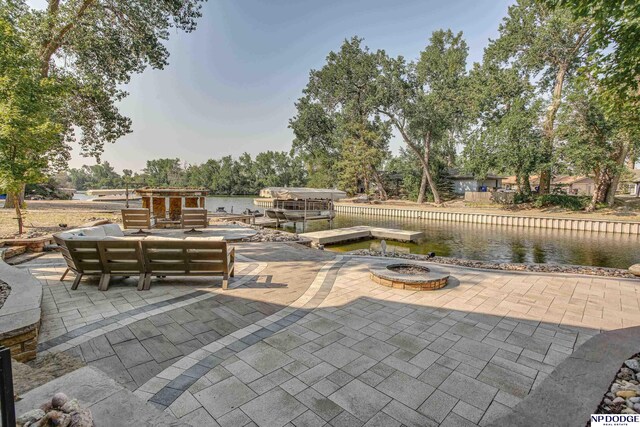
(524, 186)
(615, 176)
(432, 185)
(548, 130)
(602, 182)
(424, 160)
(423, 186)
(378, 180)
(631, 160)
(18, 206)
(11, 198)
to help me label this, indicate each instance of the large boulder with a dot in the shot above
(635, 269)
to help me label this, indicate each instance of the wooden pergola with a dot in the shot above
(167, 203)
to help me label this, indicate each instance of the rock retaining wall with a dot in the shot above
(592, 225)
(20, 314)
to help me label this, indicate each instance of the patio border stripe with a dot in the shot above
(77, 336)
(201, 361)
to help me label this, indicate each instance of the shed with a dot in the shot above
(167, 203)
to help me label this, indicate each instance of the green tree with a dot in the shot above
(315, 141)
(597, 140)
(202, 176)
(427, 102)
(30, 136)
(614, 40)
(339, 98)
(507, 136)
(225, 182)
(93, 47)
(278, 169)
(549, 45)
(164, 173)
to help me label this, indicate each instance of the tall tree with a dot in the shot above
(94, 46)
(339, 98)
(30, 140)
(614, 40)
(550, 45)
(506, 136)
(426, 101)
(315, 141)
(598, 140)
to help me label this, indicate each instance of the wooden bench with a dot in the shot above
(137, 218)
(187, 258)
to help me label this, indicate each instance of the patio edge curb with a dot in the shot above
(573, 391)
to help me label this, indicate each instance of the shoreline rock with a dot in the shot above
(505, 266)
(622, 396)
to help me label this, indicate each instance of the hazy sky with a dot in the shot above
(231, 85)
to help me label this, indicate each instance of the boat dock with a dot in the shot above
(340, 235)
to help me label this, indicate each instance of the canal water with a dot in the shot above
(477, 241)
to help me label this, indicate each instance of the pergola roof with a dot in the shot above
(301, 193)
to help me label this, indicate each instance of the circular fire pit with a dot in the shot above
(412, 277)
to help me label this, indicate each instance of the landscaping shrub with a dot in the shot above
(521, 198)
(574, 203)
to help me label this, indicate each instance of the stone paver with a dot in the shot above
(306, 338)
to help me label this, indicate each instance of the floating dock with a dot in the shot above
(340, 235)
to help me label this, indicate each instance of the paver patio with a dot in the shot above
(304, 337)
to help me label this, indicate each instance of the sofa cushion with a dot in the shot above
(162, 238)
(112, 230)
(206, 239)
(92, 233)
(97, 231)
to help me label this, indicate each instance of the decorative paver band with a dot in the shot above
(101, 327)
(189, 369)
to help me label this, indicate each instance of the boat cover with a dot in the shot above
(300, 193)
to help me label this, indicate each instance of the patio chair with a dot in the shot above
(66, 256)
(138, 218)
(193, 218)
(86, 259)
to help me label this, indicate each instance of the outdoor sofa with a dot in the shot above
(105, 251)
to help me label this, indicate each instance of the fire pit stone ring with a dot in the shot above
(414, 277)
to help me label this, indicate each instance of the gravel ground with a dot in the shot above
(538, 268)
(623, 396)
(27, 376)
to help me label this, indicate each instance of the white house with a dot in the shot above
(467, 182)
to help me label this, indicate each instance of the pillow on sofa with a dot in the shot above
(97, 231)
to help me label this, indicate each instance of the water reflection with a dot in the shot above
(480, 242)
(498, 243)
